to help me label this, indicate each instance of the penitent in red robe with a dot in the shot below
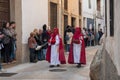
(82, 56)
(61, 53)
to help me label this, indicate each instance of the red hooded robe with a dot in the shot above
(76, 36)
(61, 48)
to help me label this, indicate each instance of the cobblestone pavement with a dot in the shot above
(40, 70)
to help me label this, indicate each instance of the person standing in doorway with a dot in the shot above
(77, 49)
(7, 42)
(13, 40)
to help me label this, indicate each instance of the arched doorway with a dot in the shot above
(4, 10)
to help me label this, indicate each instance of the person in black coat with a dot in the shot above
(45, 38)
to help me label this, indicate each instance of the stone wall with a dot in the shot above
(102, 67)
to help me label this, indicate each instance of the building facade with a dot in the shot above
(30, 14)
(112, 31)
(65, 12)
(93, 14)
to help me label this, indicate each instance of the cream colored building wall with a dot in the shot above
(113, 43)
(34, 15)
(28, 14)
(16, 15)
(73, 11)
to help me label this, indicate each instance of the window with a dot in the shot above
(53, 15)
(98, 5)
(111, 17)
(80, 8)
(73, 21)
(66, 4)
(4, 11)
(80, 22)
(89, 3)
(65, 20)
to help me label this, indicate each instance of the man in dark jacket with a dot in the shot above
(45, 38)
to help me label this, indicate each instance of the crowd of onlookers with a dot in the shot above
(90, 37)
(38, 38)
(8, 42)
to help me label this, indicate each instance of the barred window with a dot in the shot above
(98, 5)
(89, 3)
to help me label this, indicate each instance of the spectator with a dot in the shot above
(32, 45)
(40, 53)
(7, 42)
(13, 40)
(100, 34)
(45, 38)
(70, 35)
(85, 36)
(1, 47)
(66, 37)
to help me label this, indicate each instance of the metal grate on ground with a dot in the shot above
(57, 70)
(7, 74)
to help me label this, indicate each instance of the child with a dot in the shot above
(32, 45)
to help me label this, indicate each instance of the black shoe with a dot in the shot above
(78, 66)
(51, 66)
(58, 65)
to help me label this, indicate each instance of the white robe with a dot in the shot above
(54, 52)
(77, 52)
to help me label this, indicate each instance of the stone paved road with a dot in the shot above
(40, 70)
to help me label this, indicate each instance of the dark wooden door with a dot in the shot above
(53, 15)
(4, 11)
(65, 21)
(73, 21)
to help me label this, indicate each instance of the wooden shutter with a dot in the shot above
(53, 15)
(4, 11)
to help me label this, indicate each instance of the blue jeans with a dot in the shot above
(13, 54)
(44, 53)
(67, 47)
(40, 55)
(0, 61)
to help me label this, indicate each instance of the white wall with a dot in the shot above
(113, 43)
(88, 12)
(34, 15)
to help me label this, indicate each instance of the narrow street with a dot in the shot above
(41, 70)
